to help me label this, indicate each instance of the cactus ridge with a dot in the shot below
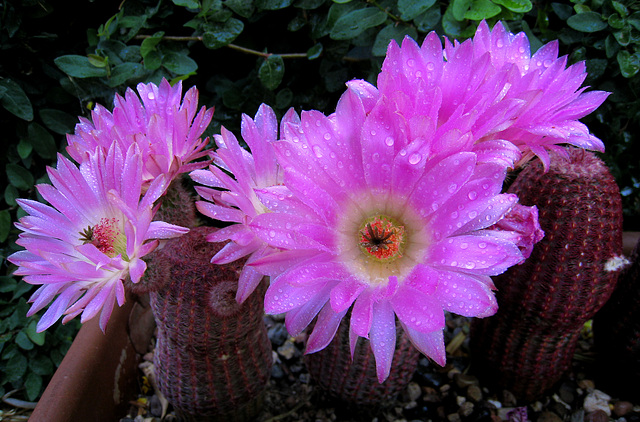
(544, 302)
(213, 356)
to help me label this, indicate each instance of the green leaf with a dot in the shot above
(410, 9)
(284, 98)
(620, 8)
(20, 290)
(458, 8)
(428, 20)
(342, 1)
(179, 64)
(15, 367)
(152, 61)
(41, 364)
(219, 35)
(149, 44)
(587, 22)
(58, 121)
(98, 61)
(272, 4)
(355, 22)
(243, 8)
(391, 32)
(482, 9)
(124, 72)
(271, 72)
(32, 385)
(10, 195)
(24, 148)
(7, 283)
(629, 63)
(190, 4)
(615, 21)
(516, 6)
(5, 225)
(34, 336)
(314, 52)
(15, 100)
(42, 141)
(19, 176)
(22, 340)
(79, 67)
(563, 11)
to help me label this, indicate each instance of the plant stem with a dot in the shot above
(232, 46)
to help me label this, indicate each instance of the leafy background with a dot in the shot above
(59, 59)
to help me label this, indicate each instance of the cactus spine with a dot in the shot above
(543, 303)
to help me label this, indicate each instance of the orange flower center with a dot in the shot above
(382, 238)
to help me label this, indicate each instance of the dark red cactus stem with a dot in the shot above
(356, 382)
(213, 356)
(616, 334)
(544, 303)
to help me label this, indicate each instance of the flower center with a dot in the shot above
(106, 236)
(382, 238)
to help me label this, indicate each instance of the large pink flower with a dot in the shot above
(164, 125)
(92, 236)
(385, 224)
(492, 87)
(233, 199)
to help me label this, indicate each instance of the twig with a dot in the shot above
(284, 415)
(232, 46)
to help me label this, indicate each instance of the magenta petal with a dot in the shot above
(430, 344)
(298, 319)
(345, 293)
(324, 330)
(465, 295)
(383, 338)
(362, 314)
(417, 310)
(283, 297)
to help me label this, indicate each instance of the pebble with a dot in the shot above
(597, 416)
(278, 334)
(466, 409)
(287, 350)
(597, 400)
(508, 399)
(414, 391)
(586, 385)
(454, 417)
(621, 408)
(549, 417)
(474, 393)
(464, 380)
(155, 406)
(567, 392)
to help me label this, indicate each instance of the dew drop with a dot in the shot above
(151, 96)
(389, 141)
(452, 188)
(414, 158)
(472, 195)
(375, 157)
(272, 233)
(499, 43)
(327, 136)
(430, 66)
(317, 151)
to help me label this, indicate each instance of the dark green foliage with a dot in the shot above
(61, 58)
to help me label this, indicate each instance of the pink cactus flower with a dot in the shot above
(493, 87)
(80, 248)
(164, 125)
(376, 221)
(238, 201)
(521, 225)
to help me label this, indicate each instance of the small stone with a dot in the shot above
(287, 350)
(276, 372)
(466, 409)
(464, 380)
(155, 406)
(278, 334)
(567, 392)
(549, 417)
(508, 399)
(597, 400)
(454, 417)
(460, 400)
(621, 408)
(474, 393)
(587, 385)
(597, 416)
(414, 391)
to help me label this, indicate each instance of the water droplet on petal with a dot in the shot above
(472, 195)
(317, 151)
(389, 141)
(415, 158)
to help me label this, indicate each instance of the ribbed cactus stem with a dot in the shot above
(213, 356)
(355, 381)
(616, 334)
(543, 304)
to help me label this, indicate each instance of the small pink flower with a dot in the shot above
(234, 199)
(521, 226)
(164, 125)
(92, 236)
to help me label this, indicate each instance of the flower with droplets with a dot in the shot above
(373, 221)
(80, 248)
(515, 105)
(165, 127)
(234, 199)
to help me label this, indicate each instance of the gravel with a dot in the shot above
(449, 394)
